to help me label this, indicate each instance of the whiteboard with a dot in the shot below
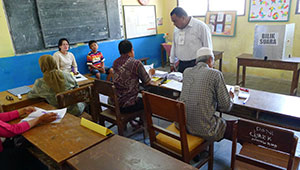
(139, 21)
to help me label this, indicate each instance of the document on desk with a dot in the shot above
(39, 112)
(79, 77)
(173, 84)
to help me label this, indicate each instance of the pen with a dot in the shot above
(161, 82)
(246, 100)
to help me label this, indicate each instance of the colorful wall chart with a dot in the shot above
(221, 23)
(269, 10)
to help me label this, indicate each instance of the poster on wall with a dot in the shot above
(269, 10)
(221, 23)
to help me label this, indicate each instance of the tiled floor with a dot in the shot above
(222, 151)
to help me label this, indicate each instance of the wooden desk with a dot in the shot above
(122, 153)
(167, 47)
(272, 108)
(9, 105)
(291, 64)
(63, 140)
(277, 109)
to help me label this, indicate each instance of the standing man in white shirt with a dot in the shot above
(189, 35)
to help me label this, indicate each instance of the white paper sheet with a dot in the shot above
(173, 84)
(79, 77)
(39, 112)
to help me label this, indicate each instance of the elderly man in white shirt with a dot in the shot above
(189, 35)
(203, 92)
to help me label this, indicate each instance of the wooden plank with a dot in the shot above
(121, 153)
(63, 140)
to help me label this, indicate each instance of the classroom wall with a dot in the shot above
(23, 69)
(243, 41)
(6, 47)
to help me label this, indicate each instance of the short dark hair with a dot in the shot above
(125, 47)
(92, 42)
(61, 41)
(179, 12)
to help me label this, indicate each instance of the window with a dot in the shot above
(298, 7)
(200, 7)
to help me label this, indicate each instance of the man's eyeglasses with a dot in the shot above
(9, 97)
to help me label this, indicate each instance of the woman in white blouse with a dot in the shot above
(65, 60)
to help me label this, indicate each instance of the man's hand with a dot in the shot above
(231, 94)
(26, 110)
(172, 68)
(151, 72)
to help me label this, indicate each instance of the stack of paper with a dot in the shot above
(79, 77)
(160, 74)
(148, 67)
(39, 112)
(243, 95)
(175, 76)
(172, 84)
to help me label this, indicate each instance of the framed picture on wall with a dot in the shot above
(221, 23)
(269, 10)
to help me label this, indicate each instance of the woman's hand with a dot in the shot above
(45, 118)
(26, 110)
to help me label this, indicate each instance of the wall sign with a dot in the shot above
(269, 10)
(221, 23)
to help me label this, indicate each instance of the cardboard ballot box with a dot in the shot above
(273, 42)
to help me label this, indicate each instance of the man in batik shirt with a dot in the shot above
(127, 73)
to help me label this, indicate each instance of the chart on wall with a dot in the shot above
(221, 23)
(139, 20)
(269, 10)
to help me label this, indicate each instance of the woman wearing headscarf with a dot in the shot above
(54, 81)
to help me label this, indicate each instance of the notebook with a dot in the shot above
(19, 90)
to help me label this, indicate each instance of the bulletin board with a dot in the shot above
(221, 23)
(139, 20)
(269, 10)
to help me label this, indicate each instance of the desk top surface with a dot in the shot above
(285, 105)
(286, 60)
(122, 153)
(25, 100)
(62, 140)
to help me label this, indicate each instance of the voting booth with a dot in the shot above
(273, 42)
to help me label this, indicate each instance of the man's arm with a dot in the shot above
(172, 54)
(224, 98)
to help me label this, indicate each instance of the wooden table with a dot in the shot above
(167, 47)
(272, 108)
(8, 105)
(63, 140)
(122, 153)
(290, 64)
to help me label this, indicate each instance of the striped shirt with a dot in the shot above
(95, 59)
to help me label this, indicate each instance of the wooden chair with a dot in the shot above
(81, 94)
(264, 147)
(112, 112)
(170, 140)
